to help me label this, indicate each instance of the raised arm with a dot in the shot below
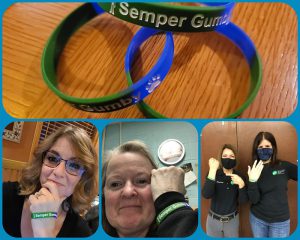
(174, 217)
(208, 189)
(254, 174)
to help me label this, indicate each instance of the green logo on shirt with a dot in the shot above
(278, 172)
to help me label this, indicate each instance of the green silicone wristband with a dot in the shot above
(253, 181)
(43, 215)
(211, 178)
(168, 210)
(113, 102)
(169, 17)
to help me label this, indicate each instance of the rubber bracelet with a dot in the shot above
(253, 181)
(244, 43)
(125, 98)
(168, 210)
(169, 17)
(43, 215)
(210, 178)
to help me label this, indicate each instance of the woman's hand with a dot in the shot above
(213, 167)
(45, 200)
(236, 179)
(167, 179)
(255, 171)
(213, 164)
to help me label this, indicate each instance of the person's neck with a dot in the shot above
(227, 171)
(141, 233)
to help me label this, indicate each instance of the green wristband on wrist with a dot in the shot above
(210, 178)
(168, 210)
(43, 215)
(253, 181)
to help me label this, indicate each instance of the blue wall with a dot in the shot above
(153, 134)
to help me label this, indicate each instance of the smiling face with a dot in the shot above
(64, 181)
(129, 205)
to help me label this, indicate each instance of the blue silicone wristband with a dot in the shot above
(157, 74)
(245, 44)
(117, 101)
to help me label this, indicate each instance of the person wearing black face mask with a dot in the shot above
(226, 188)
(267, 190)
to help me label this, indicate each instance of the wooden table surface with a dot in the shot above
(208, 79)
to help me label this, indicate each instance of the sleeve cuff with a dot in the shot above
(252, 185)
(167, 199)
(243, 189)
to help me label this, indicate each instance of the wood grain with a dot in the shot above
(208, 79)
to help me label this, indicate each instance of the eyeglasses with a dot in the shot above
(52, 160)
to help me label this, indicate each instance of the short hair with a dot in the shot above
(233, 149)
(267, 136)
(135, 146)
(87, 187)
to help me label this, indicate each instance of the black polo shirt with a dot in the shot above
(224, 195)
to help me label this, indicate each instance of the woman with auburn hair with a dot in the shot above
(140, 200)
(55, 189)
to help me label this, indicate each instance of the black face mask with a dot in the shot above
(228, 163)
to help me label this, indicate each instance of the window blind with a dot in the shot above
(50, 127)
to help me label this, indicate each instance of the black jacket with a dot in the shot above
(73, 226)
(180, 223)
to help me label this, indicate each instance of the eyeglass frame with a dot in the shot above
(81, 170)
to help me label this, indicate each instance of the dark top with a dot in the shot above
(73, 226)
(269, 194)
(181, 223)
(224, 195)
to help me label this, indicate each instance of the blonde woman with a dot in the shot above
(140, 200)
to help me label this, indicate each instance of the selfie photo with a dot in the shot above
(149, 172)
(50, 179)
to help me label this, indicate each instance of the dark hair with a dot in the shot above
(267, 136)
(232, 148)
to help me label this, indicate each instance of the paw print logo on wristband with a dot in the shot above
(136, 98)
(153, 83)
